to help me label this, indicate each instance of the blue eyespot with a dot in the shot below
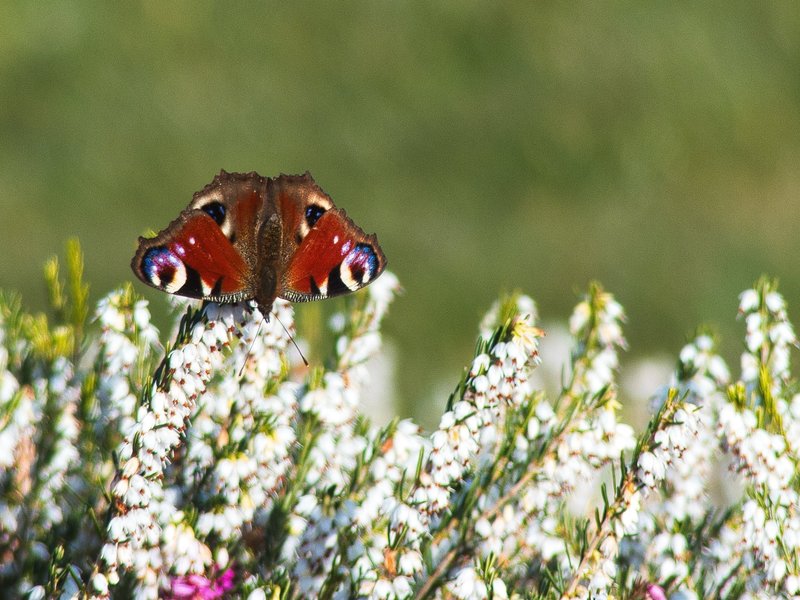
(162, 267)
(362, 263)
(216, 211)
(313, 213)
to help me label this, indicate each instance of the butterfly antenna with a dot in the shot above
(250, 349)
(291, 338)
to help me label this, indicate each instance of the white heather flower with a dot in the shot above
(499, 590)
(580, 318)
(782, 333)
(629, 518)
(467, 585)
(181, 550)
(651, 469)
(525, 309)
(774, 302)
(480, 364)
(315, 552)
(468, 433)
(382, 292)
(749, 301)
(100, 584)
(244, 480)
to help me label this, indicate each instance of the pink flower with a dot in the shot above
(655, 592)
(200, 587)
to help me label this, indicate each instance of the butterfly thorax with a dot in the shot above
(266, 285)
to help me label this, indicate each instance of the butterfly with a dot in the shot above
(248, 237)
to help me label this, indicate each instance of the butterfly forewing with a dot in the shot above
(235, 201)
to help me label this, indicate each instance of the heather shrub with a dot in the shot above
(218, 465)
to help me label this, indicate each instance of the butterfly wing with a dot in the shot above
(209, 251)
(323, 253)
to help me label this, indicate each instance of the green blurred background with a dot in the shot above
(533, 145)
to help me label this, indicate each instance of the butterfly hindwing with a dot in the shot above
(193, 258)
(332, 259)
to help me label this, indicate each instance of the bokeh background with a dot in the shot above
(528, 145)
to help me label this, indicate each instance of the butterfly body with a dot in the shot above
(246, 237)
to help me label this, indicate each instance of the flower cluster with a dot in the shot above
(668, 520)
(220, 466)
(134, 531)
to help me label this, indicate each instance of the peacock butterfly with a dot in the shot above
(248, 237)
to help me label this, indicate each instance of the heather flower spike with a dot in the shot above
(216, 466)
